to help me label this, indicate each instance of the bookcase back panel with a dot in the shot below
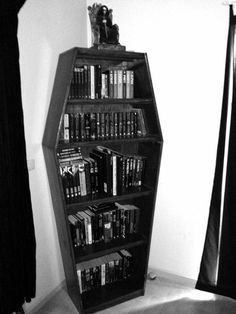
(146, 214)
(142, 88)
(152, 153)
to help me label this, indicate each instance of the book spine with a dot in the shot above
(92, 81)
(80, 280)
(127, 84)
(131, 84)
(87, 177)
(81, 83)
(115, 87)
(124, 81)
(120, 125)
(98, 83)
(87, 126)
(86, 81)
(114, 175)
(82, 127)
(66, 128)
(82, 179)
(111, 83)
(103, 91)
(119, 84)
(77, 127)
(107, 125)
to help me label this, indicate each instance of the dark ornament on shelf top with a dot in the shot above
(105, 34)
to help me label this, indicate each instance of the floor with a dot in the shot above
(163, 296)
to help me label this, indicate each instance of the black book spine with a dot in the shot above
(98, 81)
(93, 126)
(87, 125)
(77, 128)
(107, 170)
(82, 127)
(99, 161)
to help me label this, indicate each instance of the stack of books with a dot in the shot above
(103, 223)
(104, 270)
(91, 82)
(104, 171)
(89, 126)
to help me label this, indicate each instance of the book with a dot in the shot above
(98, 81)
(111, 84)
(106, 168)
(119, 83)
(92, 82)
(99, 163)
(104, 270)
(90, 126)
(66, 127)
(107, 226)
(89, 82)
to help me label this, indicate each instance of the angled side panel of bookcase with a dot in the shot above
(154, 99)
(57, 106)
(62, 226)
(59, 97)
(152, 118)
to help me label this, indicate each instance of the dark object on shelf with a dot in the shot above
(105, 34)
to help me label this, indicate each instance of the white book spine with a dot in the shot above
(114, 175)
(66, 127)
(79, 279)
(92, 81)
(103, 274)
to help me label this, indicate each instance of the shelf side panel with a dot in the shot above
(62, 227)
(59, 97)
(151, 116)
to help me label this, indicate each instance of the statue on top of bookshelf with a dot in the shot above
(105, 34)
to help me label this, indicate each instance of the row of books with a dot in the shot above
(103, 223)
(90, 82)
(90, 126)
(104, 171)
(104, 270)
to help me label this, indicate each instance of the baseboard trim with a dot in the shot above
(171, 277)
(46, 299)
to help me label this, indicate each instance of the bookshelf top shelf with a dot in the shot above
(143, 101)
(93, 53)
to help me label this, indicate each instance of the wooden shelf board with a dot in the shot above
(89, 200)
(110, 101)
(99, 249)
(150, 138)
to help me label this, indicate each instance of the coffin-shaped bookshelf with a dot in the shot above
(102, 146)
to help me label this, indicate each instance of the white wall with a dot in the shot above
(46, 28)
(186, 44)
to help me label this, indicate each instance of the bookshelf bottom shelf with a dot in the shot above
(112, 294)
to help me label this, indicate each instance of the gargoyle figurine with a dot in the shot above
(103, 31)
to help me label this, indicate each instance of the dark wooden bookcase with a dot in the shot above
(144, 197)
